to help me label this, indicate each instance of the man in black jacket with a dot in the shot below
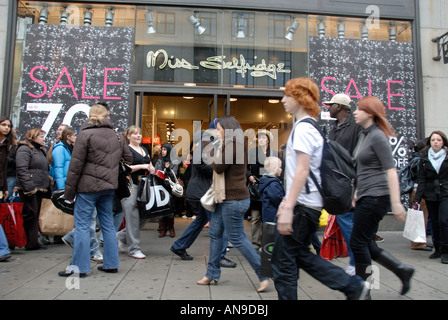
(346, 132)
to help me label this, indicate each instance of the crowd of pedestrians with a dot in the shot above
(85, 165)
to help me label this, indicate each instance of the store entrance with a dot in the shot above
(174, 118)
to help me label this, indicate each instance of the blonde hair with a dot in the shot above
(97, 113)
(130, 131)
(271, 164)
(33, 133)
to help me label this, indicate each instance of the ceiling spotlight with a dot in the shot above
(393, 34)
(341, 30)
(109, 17)
(195, 22)
(43, 17)
(87, 18)
(64, 17)
(241, 26)
(150, 22)
(321, 29)
(292, 29)
(364, 32)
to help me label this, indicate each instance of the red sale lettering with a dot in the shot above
(106, 83)
(356, 88)
(83, 96)
(57, 85)
(38, 81)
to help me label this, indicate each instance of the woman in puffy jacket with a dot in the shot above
(93, 177)
(61, 154)
(432, 180)
(33, 181)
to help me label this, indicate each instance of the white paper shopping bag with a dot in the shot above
(414, 227)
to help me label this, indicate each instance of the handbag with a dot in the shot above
(176, 189)
(12, 222)
(153, 200)
(333, 243)
(53, 221)
(59, 202)
(125, 184)
(414, 226)
(254, 190)
(267, 246)
(208, 200)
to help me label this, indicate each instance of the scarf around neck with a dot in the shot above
(436, 158)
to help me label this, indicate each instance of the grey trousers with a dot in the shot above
(130, 235)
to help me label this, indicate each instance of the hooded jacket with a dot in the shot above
(272, 192)
(95, 158)
(61, 160)
(31, 168)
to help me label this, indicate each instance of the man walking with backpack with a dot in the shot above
(345, 131)
(298, 214)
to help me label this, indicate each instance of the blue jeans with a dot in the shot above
(345, 222)
(292, 253)
(191, 233)
(4, 246)
(84, 208)
(94, 246)
(228, 219)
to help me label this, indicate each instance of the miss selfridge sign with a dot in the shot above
(161, 59)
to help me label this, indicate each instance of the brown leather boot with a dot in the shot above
(170, 227)
(162, 227)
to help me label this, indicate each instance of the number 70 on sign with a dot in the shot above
(54, 109)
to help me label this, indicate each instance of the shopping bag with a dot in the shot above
(333, 243)
(53, 221)
(153, 199)
(267, 246)
(414, 227)
(323, 219)
(12, 223)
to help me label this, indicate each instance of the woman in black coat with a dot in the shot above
(432, 180)
(33, 181)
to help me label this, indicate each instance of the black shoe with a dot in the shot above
(67, 274)
(226, 263)
(182, 254)
(107, 270)
(4, 258)
(41, 247)
(362, 292)
(435, 255)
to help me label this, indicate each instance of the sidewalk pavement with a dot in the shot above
(33, 275)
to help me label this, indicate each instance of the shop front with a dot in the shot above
(172, 69)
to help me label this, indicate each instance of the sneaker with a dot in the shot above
(97, 258)
(137, 255)
(362, 293)
(121, 246)
(378, 238)
(226, 263)
(350, 270)
(229, 245)
(182, 254)
(4, 258)
(66, 242)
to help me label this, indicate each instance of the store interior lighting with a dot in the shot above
(241, 26)
(364, 32)
(149, 19)
(109, 17)
(43, 17)
(292, 29)
(195, 22)
(87, 18)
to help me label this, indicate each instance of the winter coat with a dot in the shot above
(61, 160)
(4, 150)
(272, 192)
(432, 186)
(31, 168)
(200, 180)
(95, 158)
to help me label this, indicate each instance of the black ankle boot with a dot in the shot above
(401, 270)
(444, 253)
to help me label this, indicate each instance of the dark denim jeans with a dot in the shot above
(292, 253)
(369, 211)
(438, 213)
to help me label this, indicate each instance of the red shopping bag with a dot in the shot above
(333, 243)
(12, 223)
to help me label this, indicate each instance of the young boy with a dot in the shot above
(271, 188)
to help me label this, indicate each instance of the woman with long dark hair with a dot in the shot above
(432, 180)
(377, 189)
(232, 201)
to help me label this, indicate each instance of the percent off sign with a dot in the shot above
(397, 145)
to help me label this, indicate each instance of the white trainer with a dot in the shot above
(137, 255)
